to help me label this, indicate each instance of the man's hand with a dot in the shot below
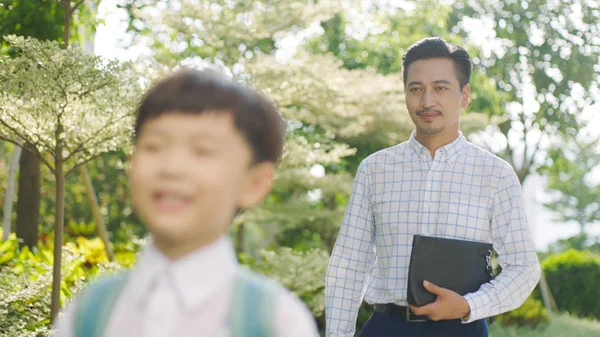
(448, 305)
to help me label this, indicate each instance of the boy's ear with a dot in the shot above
(258, 185)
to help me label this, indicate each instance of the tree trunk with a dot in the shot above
(59, 178)
(28, 199)
(10, 192)
(58, 234)
(93, 201)
(547, 297)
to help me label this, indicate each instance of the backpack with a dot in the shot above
(251, 290)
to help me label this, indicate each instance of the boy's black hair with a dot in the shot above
(194, 92)
(435, 47)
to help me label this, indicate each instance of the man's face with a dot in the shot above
(434, 98)
(190, 173)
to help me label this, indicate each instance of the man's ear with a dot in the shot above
(258, 185)
(466, 94)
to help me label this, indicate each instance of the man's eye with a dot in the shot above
(441, 88)
(415, 89)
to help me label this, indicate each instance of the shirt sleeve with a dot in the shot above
(64, 326)
(512, 240)
(293, 318)
(351, 260)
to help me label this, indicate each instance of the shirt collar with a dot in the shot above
(195, 276)
(448, 152)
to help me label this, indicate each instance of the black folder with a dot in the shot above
(458, 265)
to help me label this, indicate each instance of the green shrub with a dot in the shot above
(561, 325)
(574, 280)
(364, 313)
(26, 281)
(531, 314)
(302, 272)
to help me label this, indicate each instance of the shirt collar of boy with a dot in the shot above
(194, 277)
(448, 151)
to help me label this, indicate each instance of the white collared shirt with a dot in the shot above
(463, 193)
(188, 297)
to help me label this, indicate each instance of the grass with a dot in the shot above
(561, 325)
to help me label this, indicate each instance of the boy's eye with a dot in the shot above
(150, 147)
(201, 151)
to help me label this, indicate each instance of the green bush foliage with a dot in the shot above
(26, 279)
(302, 272)
(531, 314)
(574, 279)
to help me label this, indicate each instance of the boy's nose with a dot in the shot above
(172, 165)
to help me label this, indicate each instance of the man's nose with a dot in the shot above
(427, 100)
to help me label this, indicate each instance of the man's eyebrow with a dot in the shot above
(411, 83)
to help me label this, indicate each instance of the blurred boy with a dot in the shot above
(205, 148)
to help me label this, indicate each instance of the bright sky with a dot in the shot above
(108, 43)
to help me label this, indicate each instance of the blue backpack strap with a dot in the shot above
(94, 306)
(253, 305)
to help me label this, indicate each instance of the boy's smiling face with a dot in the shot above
(189, 174)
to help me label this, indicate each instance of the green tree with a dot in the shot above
(83, 110)
(569, 171)
(544, 56)
(42, 19)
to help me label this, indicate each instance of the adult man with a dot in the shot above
(435, 184)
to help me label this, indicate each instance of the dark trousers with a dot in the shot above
(382, 325)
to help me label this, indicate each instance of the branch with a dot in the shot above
(18, 121)
(31, 149)
(533, 153)
(20, 135)
(85, 142)
(45, 161)
(77, 5)
(76, 166)
(525, 133)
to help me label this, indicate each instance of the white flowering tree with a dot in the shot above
(324, 106)
(222, 31)
(68, 108)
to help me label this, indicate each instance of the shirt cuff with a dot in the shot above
(480, 305)
(337, 334)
